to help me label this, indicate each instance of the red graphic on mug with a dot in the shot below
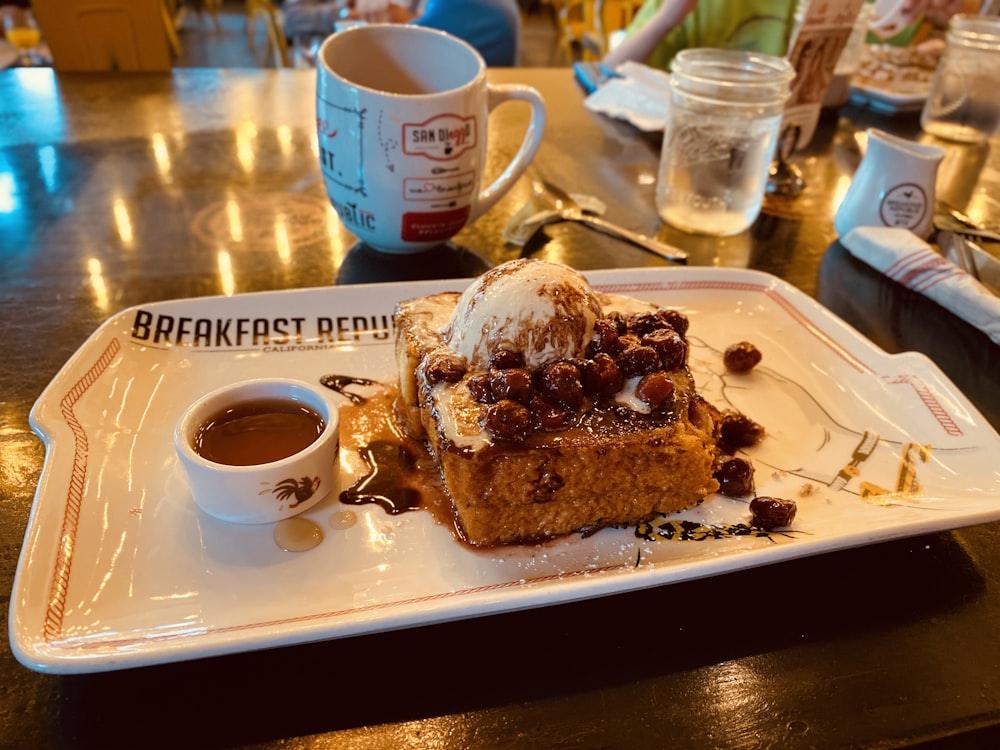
(324, 128)
(433, 226)
(441, 138)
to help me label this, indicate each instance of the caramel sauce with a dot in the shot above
(399, 473)
(388, 482)
(257, 432)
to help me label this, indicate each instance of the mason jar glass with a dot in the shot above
(964, 101)
(726, 111)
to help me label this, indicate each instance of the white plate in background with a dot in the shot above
(890, 101)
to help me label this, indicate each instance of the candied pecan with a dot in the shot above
(617, 320)
(550, 414)
(560, 381)
(642, 323)
(514, 383)
(444, 365)
(601, 376)
(669, 345)
(638, 360)
(675, 319)
(655, 389)
(770, 513)
(737, 430)
(741, 357)
(505, 359)
(735, 477)
(507, 420)
(479, 387)
(605, 339)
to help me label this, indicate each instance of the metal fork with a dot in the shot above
(947, 216)
(966, 258)
(961, 247)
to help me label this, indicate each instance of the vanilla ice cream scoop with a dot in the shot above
(544, 311)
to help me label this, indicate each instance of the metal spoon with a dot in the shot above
(970, 257)
(556, 199)
(987, 232)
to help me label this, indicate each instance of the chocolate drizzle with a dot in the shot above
(398, 473)
(339, 384)
(392, 468)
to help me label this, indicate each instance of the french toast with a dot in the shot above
(574, 416)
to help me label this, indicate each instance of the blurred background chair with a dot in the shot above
(103, 35)
(587, 28)
(201, 7)
(611, 18)
(267, 12)
(571, 25)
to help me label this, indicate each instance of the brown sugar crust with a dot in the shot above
(579, 479)
(418, 323)
(611, 466)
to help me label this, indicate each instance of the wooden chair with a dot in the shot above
(609, 17)
(201, 7)
(108, 35)
(573, 18)
(267, 11)
(169, 13)
(585, 27)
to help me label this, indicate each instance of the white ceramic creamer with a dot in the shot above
(893, 186)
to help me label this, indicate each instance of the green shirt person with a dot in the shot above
(662, 28)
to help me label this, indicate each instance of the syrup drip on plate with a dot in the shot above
(343, 519)
(297, 534)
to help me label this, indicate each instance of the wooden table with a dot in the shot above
(113, 193)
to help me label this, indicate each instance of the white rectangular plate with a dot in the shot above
(119, 569)
(866, 93)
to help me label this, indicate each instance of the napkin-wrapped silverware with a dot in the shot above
(908, 260)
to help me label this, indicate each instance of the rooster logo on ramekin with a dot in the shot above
(301, 489)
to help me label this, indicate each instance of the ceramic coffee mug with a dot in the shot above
(401, 115)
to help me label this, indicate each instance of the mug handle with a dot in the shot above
(497, 94)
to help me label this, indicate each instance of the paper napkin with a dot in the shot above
(908, 260)
(640, 94)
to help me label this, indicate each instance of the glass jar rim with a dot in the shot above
(736, 77)
(975, 30)
(731, 66)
